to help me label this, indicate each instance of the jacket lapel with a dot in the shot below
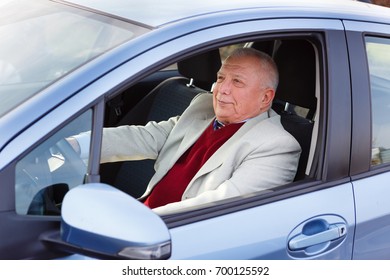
(195, 130)
(220, 155)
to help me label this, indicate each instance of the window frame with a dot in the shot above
(370, 39)
(361, 147)
(329, 148)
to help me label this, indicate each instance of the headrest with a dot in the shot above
(264, 46)
(297, 73)
(202, 68)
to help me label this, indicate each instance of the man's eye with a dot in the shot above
(238, 83)
(220, 78)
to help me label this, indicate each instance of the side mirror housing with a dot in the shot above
(102, 219)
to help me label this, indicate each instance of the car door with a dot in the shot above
(309, 219)
(369, 45)
(313, 218)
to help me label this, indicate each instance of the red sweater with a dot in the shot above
(173, 184)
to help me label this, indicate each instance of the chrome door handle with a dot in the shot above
(303, 241)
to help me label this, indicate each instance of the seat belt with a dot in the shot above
(115, 110)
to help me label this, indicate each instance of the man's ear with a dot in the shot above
(268, 97)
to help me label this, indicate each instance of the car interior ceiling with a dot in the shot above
(295, 101)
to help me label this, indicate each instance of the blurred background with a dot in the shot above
(385, 3)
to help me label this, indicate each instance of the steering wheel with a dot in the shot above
(47, 186)
(72, 157)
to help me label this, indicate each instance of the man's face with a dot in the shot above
(239, 92)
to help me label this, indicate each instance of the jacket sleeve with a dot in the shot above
(132, 142)
(135, 142)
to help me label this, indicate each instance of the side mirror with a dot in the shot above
(99, 218)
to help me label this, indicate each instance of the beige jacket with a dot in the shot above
(259, 156)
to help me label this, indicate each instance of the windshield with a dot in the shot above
(41, 41)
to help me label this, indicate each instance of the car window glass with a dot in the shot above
(45, 174)
(378, 50)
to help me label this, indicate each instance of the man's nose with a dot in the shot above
(225, 86)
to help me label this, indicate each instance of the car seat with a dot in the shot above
(296, 63)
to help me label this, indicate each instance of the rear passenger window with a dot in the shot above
(378, 50)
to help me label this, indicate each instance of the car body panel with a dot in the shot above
(372, 217)
(261, 232)
(341, 210)
(162, 14)
(370, 184)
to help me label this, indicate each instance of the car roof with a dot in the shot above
(156, 13)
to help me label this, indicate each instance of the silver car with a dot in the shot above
(72, 66)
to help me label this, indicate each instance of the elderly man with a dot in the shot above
(225, 144)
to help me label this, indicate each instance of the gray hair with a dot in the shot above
(266, 64)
